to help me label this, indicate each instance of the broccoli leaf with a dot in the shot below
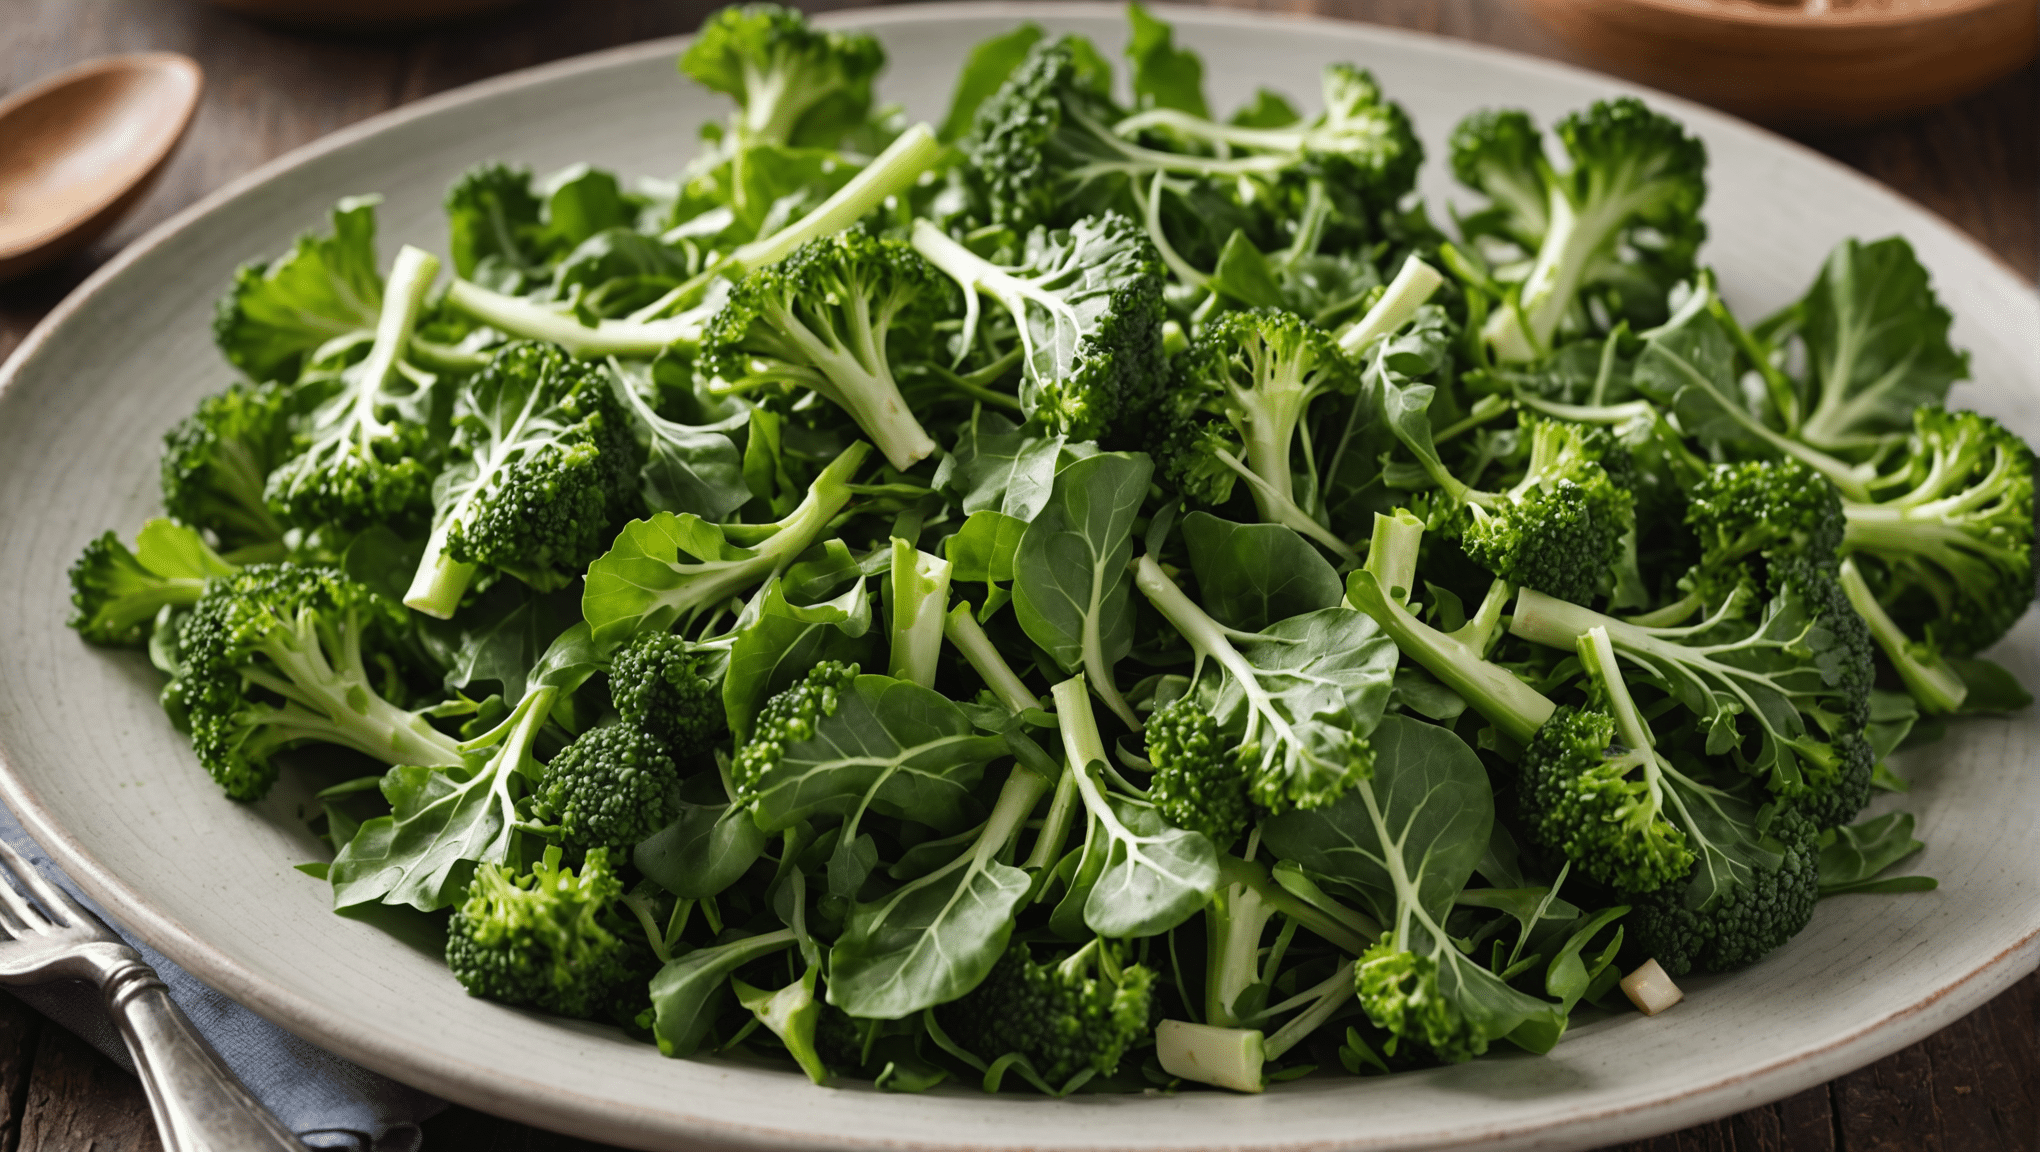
(1251, 575)
(910, 749)
(1876, 344)
(504, 649)
(687, 469)
(277, 314)
(1992, 688)
(995, 467)
(1070, 581)
(687, 993)
(982, 551)
(1164, 76)
(707, 848)
(1852, 855)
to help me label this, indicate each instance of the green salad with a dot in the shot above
(1100, 595)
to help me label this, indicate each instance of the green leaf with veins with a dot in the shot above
(1852, 855)
(995, 467)
(785, 640)
(910, 749)
(707, 848)
(1251, 575)
(1164, 76)
(1876, 345)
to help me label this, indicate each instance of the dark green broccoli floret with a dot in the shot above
(537, 940)
(1199, 783)
(544, 473)
(1743, 512)
(1623, 221)
(789, 718)
(1558, 530)
(830, 319)
(1087, 305)
(1064, 1019)
(1740, 925)
(276, 655)
(612, 787)
(496, 226)
(1601, 804)
(657, 686)
(217, 460)
(794, 84)
(1950, 532)
(1240, 398)
(115, 593)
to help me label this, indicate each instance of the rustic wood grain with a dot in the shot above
(79, 1101)
(1974, 1087)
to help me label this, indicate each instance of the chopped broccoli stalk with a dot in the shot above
(276, 655)
(1458, 659)
(611, 788)
(962, 629)
(793, 84)
(1071, 1019)
(828, 319)
(657, 684)
(1289, 761)
(917, 597)
(1938, 688)
(365, 460)
(1233, 924)
(216, 461)
(545, 467)
(1244, 390)
(1414, 284)
(1635, 173)
(1087, 304)
(1210, 1054)
(116, 593)
(1951, 531)
(537, 940)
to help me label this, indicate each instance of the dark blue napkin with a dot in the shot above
(329, 1102)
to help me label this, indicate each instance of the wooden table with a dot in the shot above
(1973, 1088)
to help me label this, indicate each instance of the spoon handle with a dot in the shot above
(200, 1105)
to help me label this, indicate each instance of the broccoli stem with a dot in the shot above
(1921, 530)
(1354, 936)
(1513, 707)
(1413, 285)
(1278, 507)
(440, 582)
(411, 276)
(1936, 686)
(1233, 923)
(853, 370)
(1392, 553)
(1222, 1057)
(339, 702)
(1328, 996)
(961, 627)
(1522, 329)
(531, 319)
(1082, 748)
(919, 593)
(889, 174)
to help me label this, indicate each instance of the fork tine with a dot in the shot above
(17, 915)
(60, 908)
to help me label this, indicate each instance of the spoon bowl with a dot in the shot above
(78, 149)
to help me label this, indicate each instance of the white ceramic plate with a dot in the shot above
(99, 777)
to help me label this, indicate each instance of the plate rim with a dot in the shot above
(636, 1125)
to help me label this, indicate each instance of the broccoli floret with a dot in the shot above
(544, 472)
(1087, 305)
(611, 788)
(276, 655)
(115, 593)
(1743, 922)
(1050, 146)
(1601, 804)
(794, 85)
(216, 461)
(656, 685)
(1499, 153)
(828, 319)
(1624, 219)
(1240, 398)
(790, 718)
(496, 226)
(277, 314)
(1947, 539)
(1558, 530)
(537, 940)
(368, 449)
(1066, 1020)
(1199, 783)
(1743, 513)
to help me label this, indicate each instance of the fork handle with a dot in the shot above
(200, 1105)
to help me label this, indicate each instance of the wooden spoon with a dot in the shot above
(78, 149)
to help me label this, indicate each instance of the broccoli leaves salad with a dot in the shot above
(1104, 594)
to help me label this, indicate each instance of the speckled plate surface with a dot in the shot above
(98, 775)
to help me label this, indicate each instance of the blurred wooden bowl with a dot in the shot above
(1821, 62)
(360, 15)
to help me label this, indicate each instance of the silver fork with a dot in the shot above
(199, 1104)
